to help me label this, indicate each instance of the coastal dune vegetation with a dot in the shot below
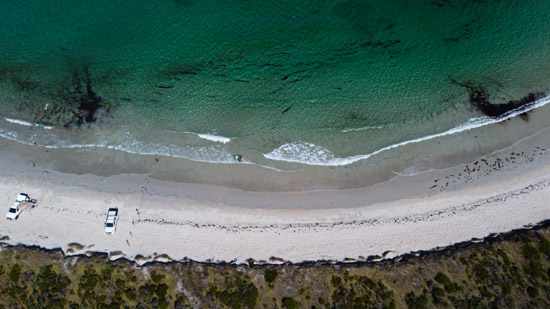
(507, 271)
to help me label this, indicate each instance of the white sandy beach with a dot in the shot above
(507, 190)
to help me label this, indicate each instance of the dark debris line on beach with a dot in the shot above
(486, 166)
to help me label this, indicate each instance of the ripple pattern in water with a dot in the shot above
(270, 73)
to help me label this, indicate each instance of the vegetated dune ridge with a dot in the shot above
(505, 271)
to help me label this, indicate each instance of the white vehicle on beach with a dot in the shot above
(110, 222)
(16, 209)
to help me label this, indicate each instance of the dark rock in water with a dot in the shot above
(479, 99)
(79, 102)
(89, 101)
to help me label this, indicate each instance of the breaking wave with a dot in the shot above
(215, 138)
(301, 151)
(311, 154)
(27, 124)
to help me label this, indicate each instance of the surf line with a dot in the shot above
(215, 138)
(468, 125)
(27, 124)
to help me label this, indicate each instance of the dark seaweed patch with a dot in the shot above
(479, 99)
(182, 3)
(383, 44)
(90, 102)
(454, 40)
(461, 3)
(73, 102)
(288, 75)
(464, 31)
(441, 3)
(187, 73)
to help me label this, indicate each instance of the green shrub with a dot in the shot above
(236, 293)
(290, 303)
(335, 281)
(87, 284)
(162, 290)
(534, 269)
(506, 287)
(416, 302)
(531, 253)
(48, 280)
(544, 246)
(270, 275)
(106, 272)
(156, 277)
(438, 294)
(505, 257)
(446, 282)
(354, 291)
(532, 291)
(130, 294)
(119, 283)
(15, 273)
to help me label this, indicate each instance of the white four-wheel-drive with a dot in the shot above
(110, 222)
(16, 208)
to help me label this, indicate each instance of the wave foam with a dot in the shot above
(306, 153)
(310, 154)
(125, 143)
(212, 154)
(365, 128)
(215, 138)
(299, 152)
(25, 123)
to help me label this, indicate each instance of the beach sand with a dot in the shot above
(163, 219)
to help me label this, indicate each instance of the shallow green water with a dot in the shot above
(268, 73)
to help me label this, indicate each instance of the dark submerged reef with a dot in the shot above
(89, 101)
(70, 102)
(505, 271)
(479, 99)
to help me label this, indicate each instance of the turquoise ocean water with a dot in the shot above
(312, 82)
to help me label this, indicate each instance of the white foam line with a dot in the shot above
(470, 124)
(19, 122)
(215, 138)
(11, 135)
(25, 123)
(364, 128)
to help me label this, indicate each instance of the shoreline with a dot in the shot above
(422, 154)
(174, 221)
